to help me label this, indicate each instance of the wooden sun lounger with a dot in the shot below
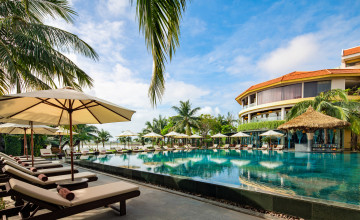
(249, 147)
(279, 147)
(47, 172)
(50, 183)
(168, 148)
(85, 199)
(264, 147)
(213, 147)
(157, 148)
(47, 153)
(226, 146)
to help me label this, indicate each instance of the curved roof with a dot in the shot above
(351, 51)
(298, 76)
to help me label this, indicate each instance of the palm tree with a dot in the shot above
(334, 103)
(186, 117)
(156, 125)
(104, 136)
(85, 133)
(159, 21)
(30, 51)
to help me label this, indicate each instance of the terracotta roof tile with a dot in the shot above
(299, 75)
(351, 51)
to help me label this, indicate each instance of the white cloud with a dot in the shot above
(299, 51)
(209, 110)
(116, 8)
(240, 65)
(195, 26)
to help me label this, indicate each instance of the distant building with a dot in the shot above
(271, 100)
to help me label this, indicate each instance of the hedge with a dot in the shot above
(264, 125)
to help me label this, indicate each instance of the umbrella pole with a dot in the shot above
(60, 143)
(32, 144)
(25, 144)
(71, 146)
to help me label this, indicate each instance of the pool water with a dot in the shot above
(329, 176)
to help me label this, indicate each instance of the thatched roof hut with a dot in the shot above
(312, 120)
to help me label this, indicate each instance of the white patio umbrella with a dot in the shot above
(271, 133)
(152, 135)
(195, 136)
(180, 135)
(171, 135)
(219, 135)
(240, 135)
(64, 106)
(127, 134)
(11, 128)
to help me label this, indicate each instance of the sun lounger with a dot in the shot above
(264, 147)
(47, 172)
(85, 199)
(226, 146)
(214, 146)
(136, 149)
(86, 151)
(47, 153)
(50, 183)
(120, 150)
(157, 148)
(148, 148)
(168, 148)
(178, 148)
(68, 153)
(279, 147)
(188, 146)
(104, 151)
(249, 147)
(37, 166)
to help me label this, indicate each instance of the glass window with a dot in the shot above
(280, 93)
(312, 89)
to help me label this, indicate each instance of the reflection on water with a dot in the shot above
(318, 175)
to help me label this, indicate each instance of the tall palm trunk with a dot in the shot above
(325, 136)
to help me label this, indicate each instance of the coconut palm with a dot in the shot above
(85, 132)
(159, 21)
(334, 103)
(31, 52)
(104, 136)
(156, 125)
(186, 117)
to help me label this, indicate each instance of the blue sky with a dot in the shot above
(226, 46)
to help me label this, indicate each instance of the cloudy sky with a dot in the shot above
(226, 46)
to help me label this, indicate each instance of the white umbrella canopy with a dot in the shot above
(182, 136)
(173, 133)
(219, 135)
(11, 128)
(195, 136)
(240, 134)
(272, 133)
(128, 134)
(152, 135)
(64, 106)
(62, 131)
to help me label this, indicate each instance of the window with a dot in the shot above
(312, 89)
(280, 93)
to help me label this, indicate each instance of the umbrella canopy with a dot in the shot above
(64, 106)
(62, 131)
(10, 128)
(240, 134)
(312, 120)
(152, 135)
(127, 134)
(173, 133)
(182, 136)
(195, 136)
(272, 133)
(219, 135)
(56, 106)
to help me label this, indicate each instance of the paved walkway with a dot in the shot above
(157, 204)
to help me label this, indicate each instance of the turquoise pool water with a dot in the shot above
(328, 176)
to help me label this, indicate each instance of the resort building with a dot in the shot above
(271, 100)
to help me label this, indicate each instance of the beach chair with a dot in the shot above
(191, 147)
(249, 147)
(214, 146)
(85, 151)
(238, 146)
(58, 207)
(104, 151)
(47, 172)
(279, 147)
(37, 166)
(148, 148)
(264, 147)
(120, 150)
(68, 153)
(50, 183)
(226, 146)
(157, 148)
(178, 148)
(136, 149)
(46, 153)
(168, 148)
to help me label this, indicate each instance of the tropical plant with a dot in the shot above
(334, 103)
(85, 132)
(206, 124)
(159, 21)
(156, 125)
(263, 125)
(186, 118)
(30, 51)
(103, 136)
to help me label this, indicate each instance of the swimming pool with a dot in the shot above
(329, 176)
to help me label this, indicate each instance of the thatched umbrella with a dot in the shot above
(312, 120)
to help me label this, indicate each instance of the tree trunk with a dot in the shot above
(103, 143)
(325, 136)
(354, 140)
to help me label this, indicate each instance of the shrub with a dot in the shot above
(264, 125)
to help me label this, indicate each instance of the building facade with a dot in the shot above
(271, 100)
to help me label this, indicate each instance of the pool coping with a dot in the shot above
(302, 207)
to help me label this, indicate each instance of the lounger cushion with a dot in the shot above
(44, 171)
(51, 180)
(38, 193)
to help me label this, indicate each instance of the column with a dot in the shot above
(249, 118)
(283, 113)
(242, 120)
